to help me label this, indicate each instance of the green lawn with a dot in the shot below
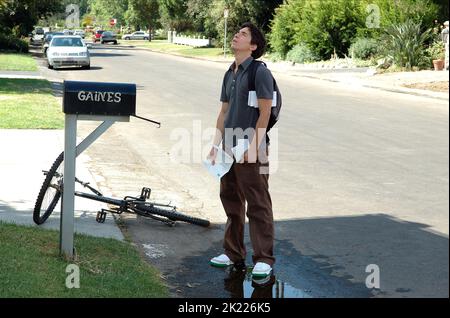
(29, 104)
(17, 62)
(164, 46)
(30, 266)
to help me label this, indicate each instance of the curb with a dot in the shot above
(422, 93)
(179, 55)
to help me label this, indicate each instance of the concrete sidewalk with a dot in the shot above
(21, 74)
(23, 156)
(365, 77)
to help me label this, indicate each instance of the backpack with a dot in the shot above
(275, 111)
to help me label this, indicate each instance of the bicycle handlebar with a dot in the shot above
(146, 119)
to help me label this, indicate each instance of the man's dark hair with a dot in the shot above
(257, 39)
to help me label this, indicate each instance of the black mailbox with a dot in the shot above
(96, 98)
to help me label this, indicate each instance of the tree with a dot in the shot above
(174, 15)
(285, 25)
(329, 26)
(20, 16)
(104, 10)
(391, 12)
(143, 13)
(210, 15)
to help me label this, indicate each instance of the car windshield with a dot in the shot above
(49, 37)
(67, 42)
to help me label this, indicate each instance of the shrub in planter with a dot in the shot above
(436, 52)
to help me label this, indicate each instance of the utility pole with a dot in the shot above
(225, 14)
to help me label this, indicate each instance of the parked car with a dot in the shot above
(138, 35)
(97, 35)
(80, 33)
(68, 32)
(68, 50)
(37, 37)
(48, 37)
(107, 37)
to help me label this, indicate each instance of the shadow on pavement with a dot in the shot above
(108, 54)
(413, 262)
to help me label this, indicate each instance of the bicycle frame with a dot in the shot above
(128, 204)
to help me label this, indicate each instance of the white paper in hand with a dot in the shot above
(222, 164)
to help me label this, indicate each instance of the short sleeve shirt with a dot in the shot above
(235, 91)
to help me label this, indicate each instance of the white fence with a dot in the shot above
(187, 40)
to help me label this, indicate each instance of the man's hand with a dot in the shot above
(250, 156)
(212, 155)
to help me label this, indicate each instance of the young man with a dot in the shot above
(247, 180)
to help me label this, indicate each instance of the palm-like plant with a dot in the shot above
(404, 44)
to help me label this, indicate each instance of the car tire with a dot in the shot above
(115, 42)
(145, 38)
(86, 67)
(127, 38)
(50, 67)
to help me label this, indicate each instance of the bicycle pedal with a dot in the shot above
(145, 193)
(101, 217)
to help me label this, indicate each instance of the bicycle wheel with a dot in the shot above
(146, 209)
(50, 192)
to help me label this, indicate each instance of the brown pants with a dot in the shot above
(242, 183)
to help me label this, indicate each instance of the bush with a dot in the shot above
(274, 56)
(301, 54)
(283, 27)
(364, 48)
(405, 44)
(11, 43)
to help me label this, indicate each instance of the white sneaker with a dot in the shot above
(221, 261)
(261, 270)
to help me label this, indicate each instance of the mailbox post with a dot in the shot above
(107, 102)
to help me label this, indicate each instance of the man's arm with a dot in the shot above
(220, 130)
(220, 125)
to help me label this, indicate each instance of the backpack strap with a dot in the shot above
(252, 74)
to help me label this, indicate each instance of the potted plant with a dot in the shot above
(437, 55)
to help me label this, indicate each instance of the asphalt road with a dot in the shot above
(361, 177)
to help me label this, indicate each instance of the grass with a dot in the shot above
(165, 47)
(31, 267)
(29, 104)
(17, 62)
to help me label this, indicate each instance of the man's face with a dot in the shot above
(241, 41)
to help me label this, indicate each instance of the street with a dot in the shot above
(360, 177)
